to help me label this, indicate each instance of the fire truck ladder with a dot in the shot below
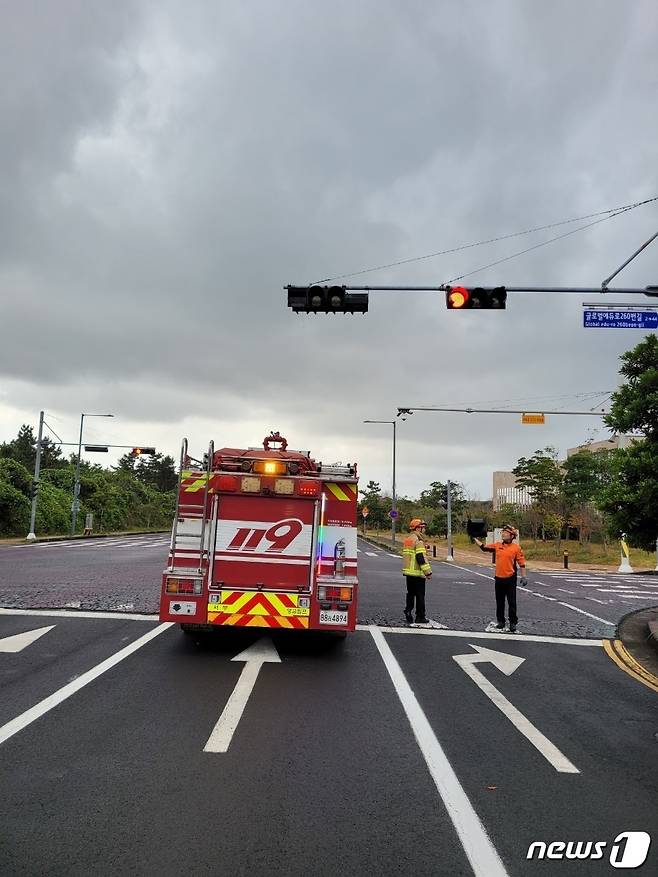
(200, 508)
(174, 532)
(203, 549)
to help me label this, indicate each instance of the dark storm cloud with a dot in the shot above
(167, 169)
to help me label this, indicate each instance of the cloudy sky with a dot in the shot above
(165, 168)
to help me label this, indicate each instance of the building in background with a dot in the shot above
(507, 492)
(617, 441)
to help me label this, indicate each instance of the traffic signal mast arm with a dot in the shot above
(402, 411)
(647, 290)
(318, 299)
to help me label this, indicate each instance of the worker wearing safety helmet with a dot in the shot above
(509, 559)
(415, 569)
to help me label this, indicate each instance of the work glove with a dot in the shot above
(523, 581)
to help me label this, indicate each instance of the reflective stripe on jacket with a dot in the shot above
(414, 562)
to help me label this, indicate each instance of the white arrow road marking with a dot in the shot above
(507, 664)
(20, 641)
(53, 700)
(477, 845)
(263, 650)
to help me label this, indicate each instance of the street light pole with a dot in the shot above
(75, 505)
(35, 482)
(394, 509)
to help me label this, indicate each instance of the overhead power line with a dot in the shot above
(606, 214)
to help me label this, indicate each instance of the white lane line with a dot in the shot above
(564, 591)
(371, 553)
(631, 596)
(589, 614)
(543, 596)
(466, 569)
(396, 556)
(594, 600)
(64, 613)
(546, 597)
(20, 722)
(464, 634)
(477, 845)
(632, 592)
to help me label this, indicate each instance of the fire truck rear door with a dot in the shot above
(263, 542)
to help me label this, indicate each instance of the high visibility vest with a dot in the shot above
(412, 546)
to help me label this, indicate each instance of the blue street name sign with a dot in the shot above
(620, 319)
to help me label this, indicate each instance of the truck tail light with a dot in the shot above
(249, 484)
(309, 488)
(183, 586)
(334, 592)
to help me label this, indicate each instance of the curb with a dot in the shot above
(635, 649)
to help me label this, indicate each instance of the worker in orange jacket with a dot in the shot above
(509, 559)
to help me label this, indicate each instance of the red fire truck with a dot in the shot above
(262, 537)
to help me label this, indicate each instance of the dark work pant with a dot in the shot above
(416, 591)
(506, 589)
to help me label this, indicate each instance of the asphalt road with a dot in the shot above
(123, 574)
(394, 752)
(346, 759)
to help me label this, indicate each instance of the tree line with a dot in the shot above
(137, 493)
(590, 496)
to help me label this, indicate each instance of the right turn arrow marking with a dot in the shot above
(507, 664)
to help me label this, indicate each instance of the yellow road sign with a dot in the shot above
(533, 418)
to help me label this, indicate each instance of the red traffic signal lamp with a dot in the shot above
(137, 452)
(485, 298)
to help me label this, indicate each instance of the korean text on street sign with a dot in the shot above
(533, 418)
(620, 319)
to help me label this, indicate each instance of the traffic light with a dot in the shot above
(486, 298)
(34, 490)
(138, 452)
(326, 300)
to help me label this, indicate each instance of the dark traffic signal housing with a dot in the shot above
(487, 298)
(138, 452)
(326, 300)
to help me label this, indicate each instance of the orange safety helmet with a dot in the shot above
(511, 530)
(416, 522)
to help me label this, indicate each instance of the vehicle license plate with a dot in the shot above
(332, 616)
